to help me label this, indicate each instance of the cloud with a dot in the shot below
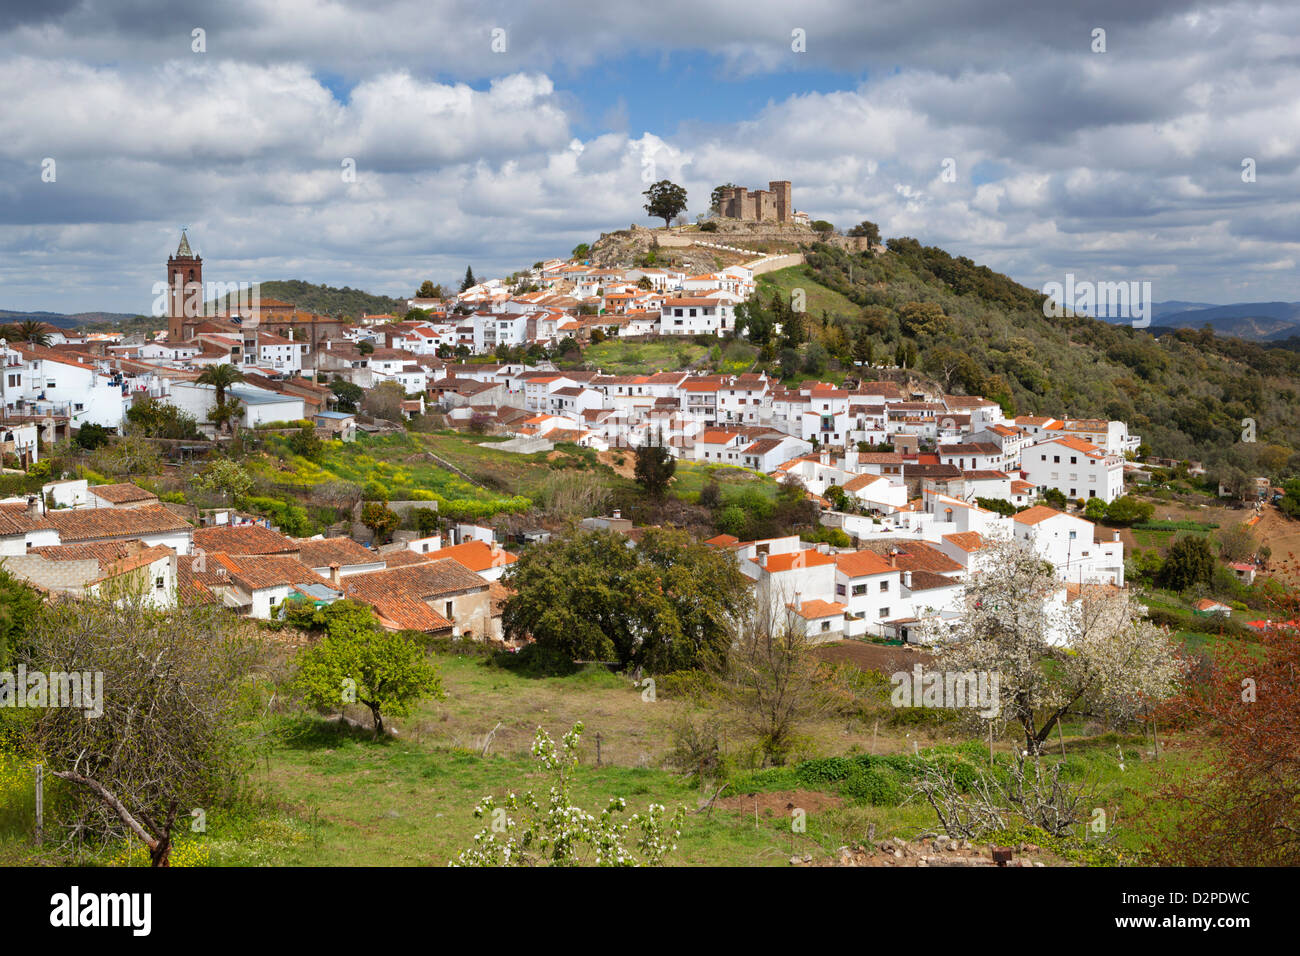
(1125, 162)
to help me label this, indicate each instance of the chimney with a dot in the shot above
(798, 600)
(907, 580)
(1116, 538)
(335, 575)
(617, 514)
(893, 557)
(33, 506)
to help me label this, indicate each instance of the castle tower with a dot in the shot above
(784, 207)
(184, 274)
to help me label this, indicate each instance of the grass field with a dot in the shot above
(817, 297)
(623, 357)
(324, 794)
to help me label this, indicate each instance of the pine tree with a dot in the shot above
(470, 281)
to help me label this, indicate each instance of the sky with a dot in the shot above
(377, 144)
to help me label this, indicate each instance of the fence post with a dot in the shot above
(597, 748)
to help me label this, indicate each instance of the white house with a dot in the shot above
(697, 316)
(1075, 468)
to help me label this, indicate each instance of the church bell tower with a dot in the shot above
(184, 285)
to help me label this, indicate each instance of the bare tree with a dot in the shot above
(164, 743)
(771, 682)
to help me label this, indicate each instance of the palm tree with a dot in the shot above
(28, 330)
(220, 377)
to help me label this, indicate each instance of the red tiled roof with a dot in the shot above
(246, 539)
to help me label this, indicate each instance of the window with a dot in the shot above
(1056, 459)
(884, 586)
(448, 615)
(1074, 460)
(859, 590)
(884, 613)
(826, 625)
(160, 582)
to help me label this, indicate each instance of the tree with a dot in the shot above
(19, 605)
(469, 281)
(823, 228)
(664, 200)
(715, 197)
(347, 396)
(1097, 655)
(223, 414)
(665, 605)
(1239, 800)
(426, 521)
(385, 401)
(380, 519)
(91, 436)
(1127, 510)
(220, 377)
(226, 478)
(867, 230)
(815, 358)
(306, 442)
(30, 331)
(654, 468)
(129, 455)
(1237, 543)
(1095, 509)
(1188, 562)
(922, 318)
(358, 662)
(167, 738)
(711, 494)
(864, 347)
(580, 251)
(428, 290)
(770, 682)
(155, 418)
(753, 321)
(365, 347)
(564, 834)
(1055, 498)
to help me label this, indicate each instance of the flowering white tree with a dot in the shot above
(1056, 654)
(562, 834)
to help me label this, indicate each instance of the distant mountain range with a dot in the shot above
(64, 321)
(1252, 321)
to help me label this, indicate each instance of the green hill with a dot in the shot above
(979, 332)
(327, 300)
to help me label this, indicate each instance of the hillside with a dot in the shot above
(1186, 392)
(327, 300)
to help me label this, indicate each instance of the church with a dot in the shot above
(230, 310)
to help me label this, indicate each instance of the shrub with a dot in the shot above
(877, 786)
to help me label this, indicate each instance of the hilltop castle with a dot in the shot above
(760, 205)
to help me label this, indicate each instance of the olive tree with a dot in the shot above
(152, 733)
